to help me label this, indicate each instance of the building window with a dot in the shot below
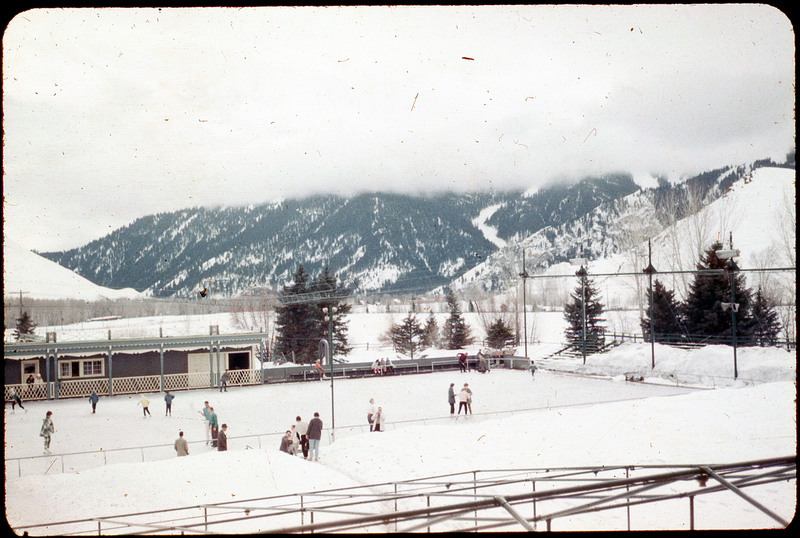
(92, 368)
(80, 368)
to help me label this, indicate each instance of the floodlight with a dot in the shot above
(727, 254)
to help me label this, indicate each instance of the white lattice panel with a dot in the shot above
(82, 387)
(244, 377)
(133, 385)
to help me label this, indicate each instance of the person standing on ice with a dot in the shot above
(371, 414)
(533, 369)
(223, 382)
(181, 446)
(302, 432)
(451, 398)
(463, 396)
(48, 429)
(314, 436)
(168, 399)
(94, 398)
(379, 419)
(144, 402)
(222, 440)
(206, 412)
(213, 426)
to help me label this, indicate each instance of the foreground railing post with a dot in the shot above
(627, 498)
(691, 512)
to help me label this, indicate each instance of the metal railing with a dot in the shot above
(607, 498)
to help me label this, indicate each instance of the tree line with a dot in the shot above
(705, 316)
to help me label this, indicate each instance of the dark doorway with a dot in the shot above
(239, 361)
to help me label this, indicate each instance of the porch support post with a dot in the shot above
(110, 373)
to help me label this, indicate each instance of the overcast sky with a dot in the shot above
(113, 114)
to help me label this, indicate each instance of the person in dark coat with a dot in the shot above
(213, 424)
(451, 398)
(222, 438)
(314, 434)
(16, 400)
(168, 399)
(94, 398)
(286, 442)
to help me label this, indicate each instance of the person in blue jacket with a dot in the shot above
(533, 369)
(94, 398)
(168, 398)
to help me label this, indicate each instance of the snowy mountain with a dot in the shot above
(39, 278)
(389, 242)
(751, 205)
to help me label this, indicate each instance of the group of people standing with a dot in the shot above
(303, 437)
(216, 435)
(464, 399)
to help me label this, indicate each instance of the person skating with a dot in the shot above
(93, 399)
(533, 369)
(15, 400)
(181, 446)
(144, 402)
(314, 436)
(168, 399)
(223, 382)
(48, 429)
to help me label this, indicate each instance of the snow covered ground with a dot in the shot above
(565, 420)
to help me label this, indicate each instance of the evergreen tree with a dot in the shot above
(499, 335)
(703, 306)
(407, 336)
(764, 325)
(573, 314)
(456, 333)
(327, 286)
(296, 323)
(25, 328)
(430, 336)
(667, 319)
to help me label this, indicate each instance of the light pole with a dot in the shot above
(329, 315)
(649, 271)
(730, 268)
(525, 276)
